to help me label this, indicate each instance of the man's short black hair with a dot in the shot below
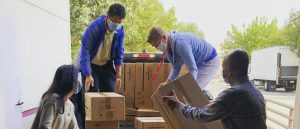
(116, 10)
(238, 61)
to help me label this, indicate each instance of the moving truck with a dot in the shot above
(274, 67)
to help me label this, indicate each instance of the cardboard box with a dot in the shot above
(167, 70)
(130, 111)
(150, 123)
(184, 70)
(122, 90)
(139, 82)
(129, 84)
(187, 91)
(104, 106)
(144, 86)
(89, 124)
(158, 81)
(144, 112)
(147, 87)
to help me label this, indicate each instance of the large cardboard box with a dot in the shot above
(129, 84)
(122, 90)
(150, 123)
(139, 85)
(167, 70)
(89, 124)
(130, 111)
(147, 87)
(187, 91)
(104, 106)
(159, 79)
(144, 112)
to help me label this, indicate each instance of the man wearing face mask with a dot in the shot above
(186, 48)
(102, 50)
(101, 56)
(241, 106)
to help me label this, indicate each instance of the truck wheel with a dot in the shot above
(290, 86)
(270, 86)
(290, 89)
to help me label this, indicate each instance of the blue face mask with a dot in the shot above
(114, 26)
(79, 88)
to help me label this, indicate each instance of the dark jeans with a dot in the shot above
(104, 78)
(104, 81)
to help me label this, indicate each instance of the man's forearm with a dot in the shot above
(118, 71)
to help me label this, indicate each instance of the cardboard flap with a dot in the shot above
(187, 91)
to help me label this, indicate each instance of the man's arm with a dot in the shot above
(186, 54)
(85, 56)
(119, 51)
(208, 113)
(176, 68)
(118, 60)
(87, 41)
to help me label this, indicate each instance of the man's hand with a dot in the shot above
(118, 84)
(172, 100)
(89, 80)
(162, 84)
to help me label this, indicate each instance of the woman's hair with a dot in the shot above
(65, 79)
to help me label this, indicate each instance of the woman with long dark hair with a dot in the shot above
(56, 111)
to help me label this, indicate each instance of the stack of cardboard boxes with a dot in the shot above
(104, 110)
(138, 87)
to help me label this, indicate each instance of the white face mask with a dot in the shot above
(162, 46)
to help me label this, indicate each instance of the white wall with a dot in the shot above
(263, 64)
(9, 74)
(38, 32)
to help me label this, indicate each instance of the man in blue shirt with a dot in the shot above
(102, 51)
(101, 56)
(186, 48)
(241, 106)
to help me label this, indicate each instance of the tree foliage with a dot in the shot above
(140, 17)
(261, 34)
(258, 34)
(292, 31)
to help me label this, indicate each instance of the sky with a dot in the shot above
(215, 17)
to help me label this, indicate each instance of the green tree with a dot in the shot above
(259, 34)
(189, 27)
(292, 31)
(141, 16)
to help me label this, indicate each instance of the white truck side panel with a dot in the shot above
(263, 64)
(42, 33)
(288, 58)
